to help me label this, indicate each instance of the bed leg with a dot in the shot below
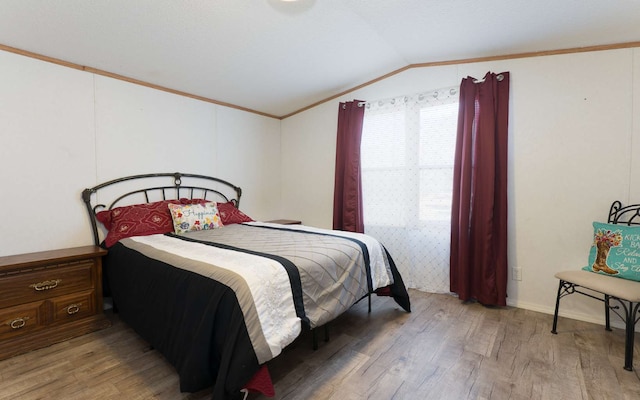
(314, 335)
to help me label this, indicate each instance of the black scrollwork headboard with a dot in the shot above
(164, 186)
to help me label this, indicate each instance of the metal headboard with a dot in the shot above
(629, 215)
(204, 187)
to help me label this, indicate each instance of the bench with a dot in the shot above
(625, 293)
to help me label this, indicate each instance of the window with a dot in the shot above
(437, 147)
(407, 152)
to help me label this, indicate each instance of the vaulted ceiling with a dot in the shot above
(277, 57)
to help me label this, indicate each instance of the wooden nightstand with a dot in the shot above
(49, 297)
(285, 221)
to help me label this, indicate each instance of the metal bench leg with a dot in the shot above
(555, 315)
(630, 336)
(607, 323)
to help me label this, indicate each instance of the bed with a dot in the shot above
(215, 292)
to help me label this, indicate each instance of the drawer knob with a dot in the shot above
(18, 322)
(46, 285)
(73, 308)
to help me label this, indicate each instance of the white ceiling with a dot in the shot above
(278, 57)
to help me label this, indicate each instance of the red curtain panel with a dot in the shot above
(347, 197)
(478, 269)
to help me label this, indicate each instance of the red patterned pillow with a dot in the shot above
(105, 218)
(229, 214)
(137, 220)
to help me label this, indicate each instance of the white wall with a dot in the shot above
(62, 130)
(249, 156)
(573, 130)
(47, 154)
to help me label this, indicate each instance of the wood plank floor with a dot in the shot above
(442, 350)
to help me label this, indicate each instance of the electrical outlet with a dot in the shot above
(517, 274)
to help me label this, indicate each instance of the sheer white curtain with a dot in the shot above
(407, 152)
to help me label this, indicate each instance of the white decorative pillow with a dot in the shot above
(194, 217)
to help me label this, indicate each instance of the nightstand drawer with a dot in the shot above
(21, 319)
(73, 306)
(45, 282)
